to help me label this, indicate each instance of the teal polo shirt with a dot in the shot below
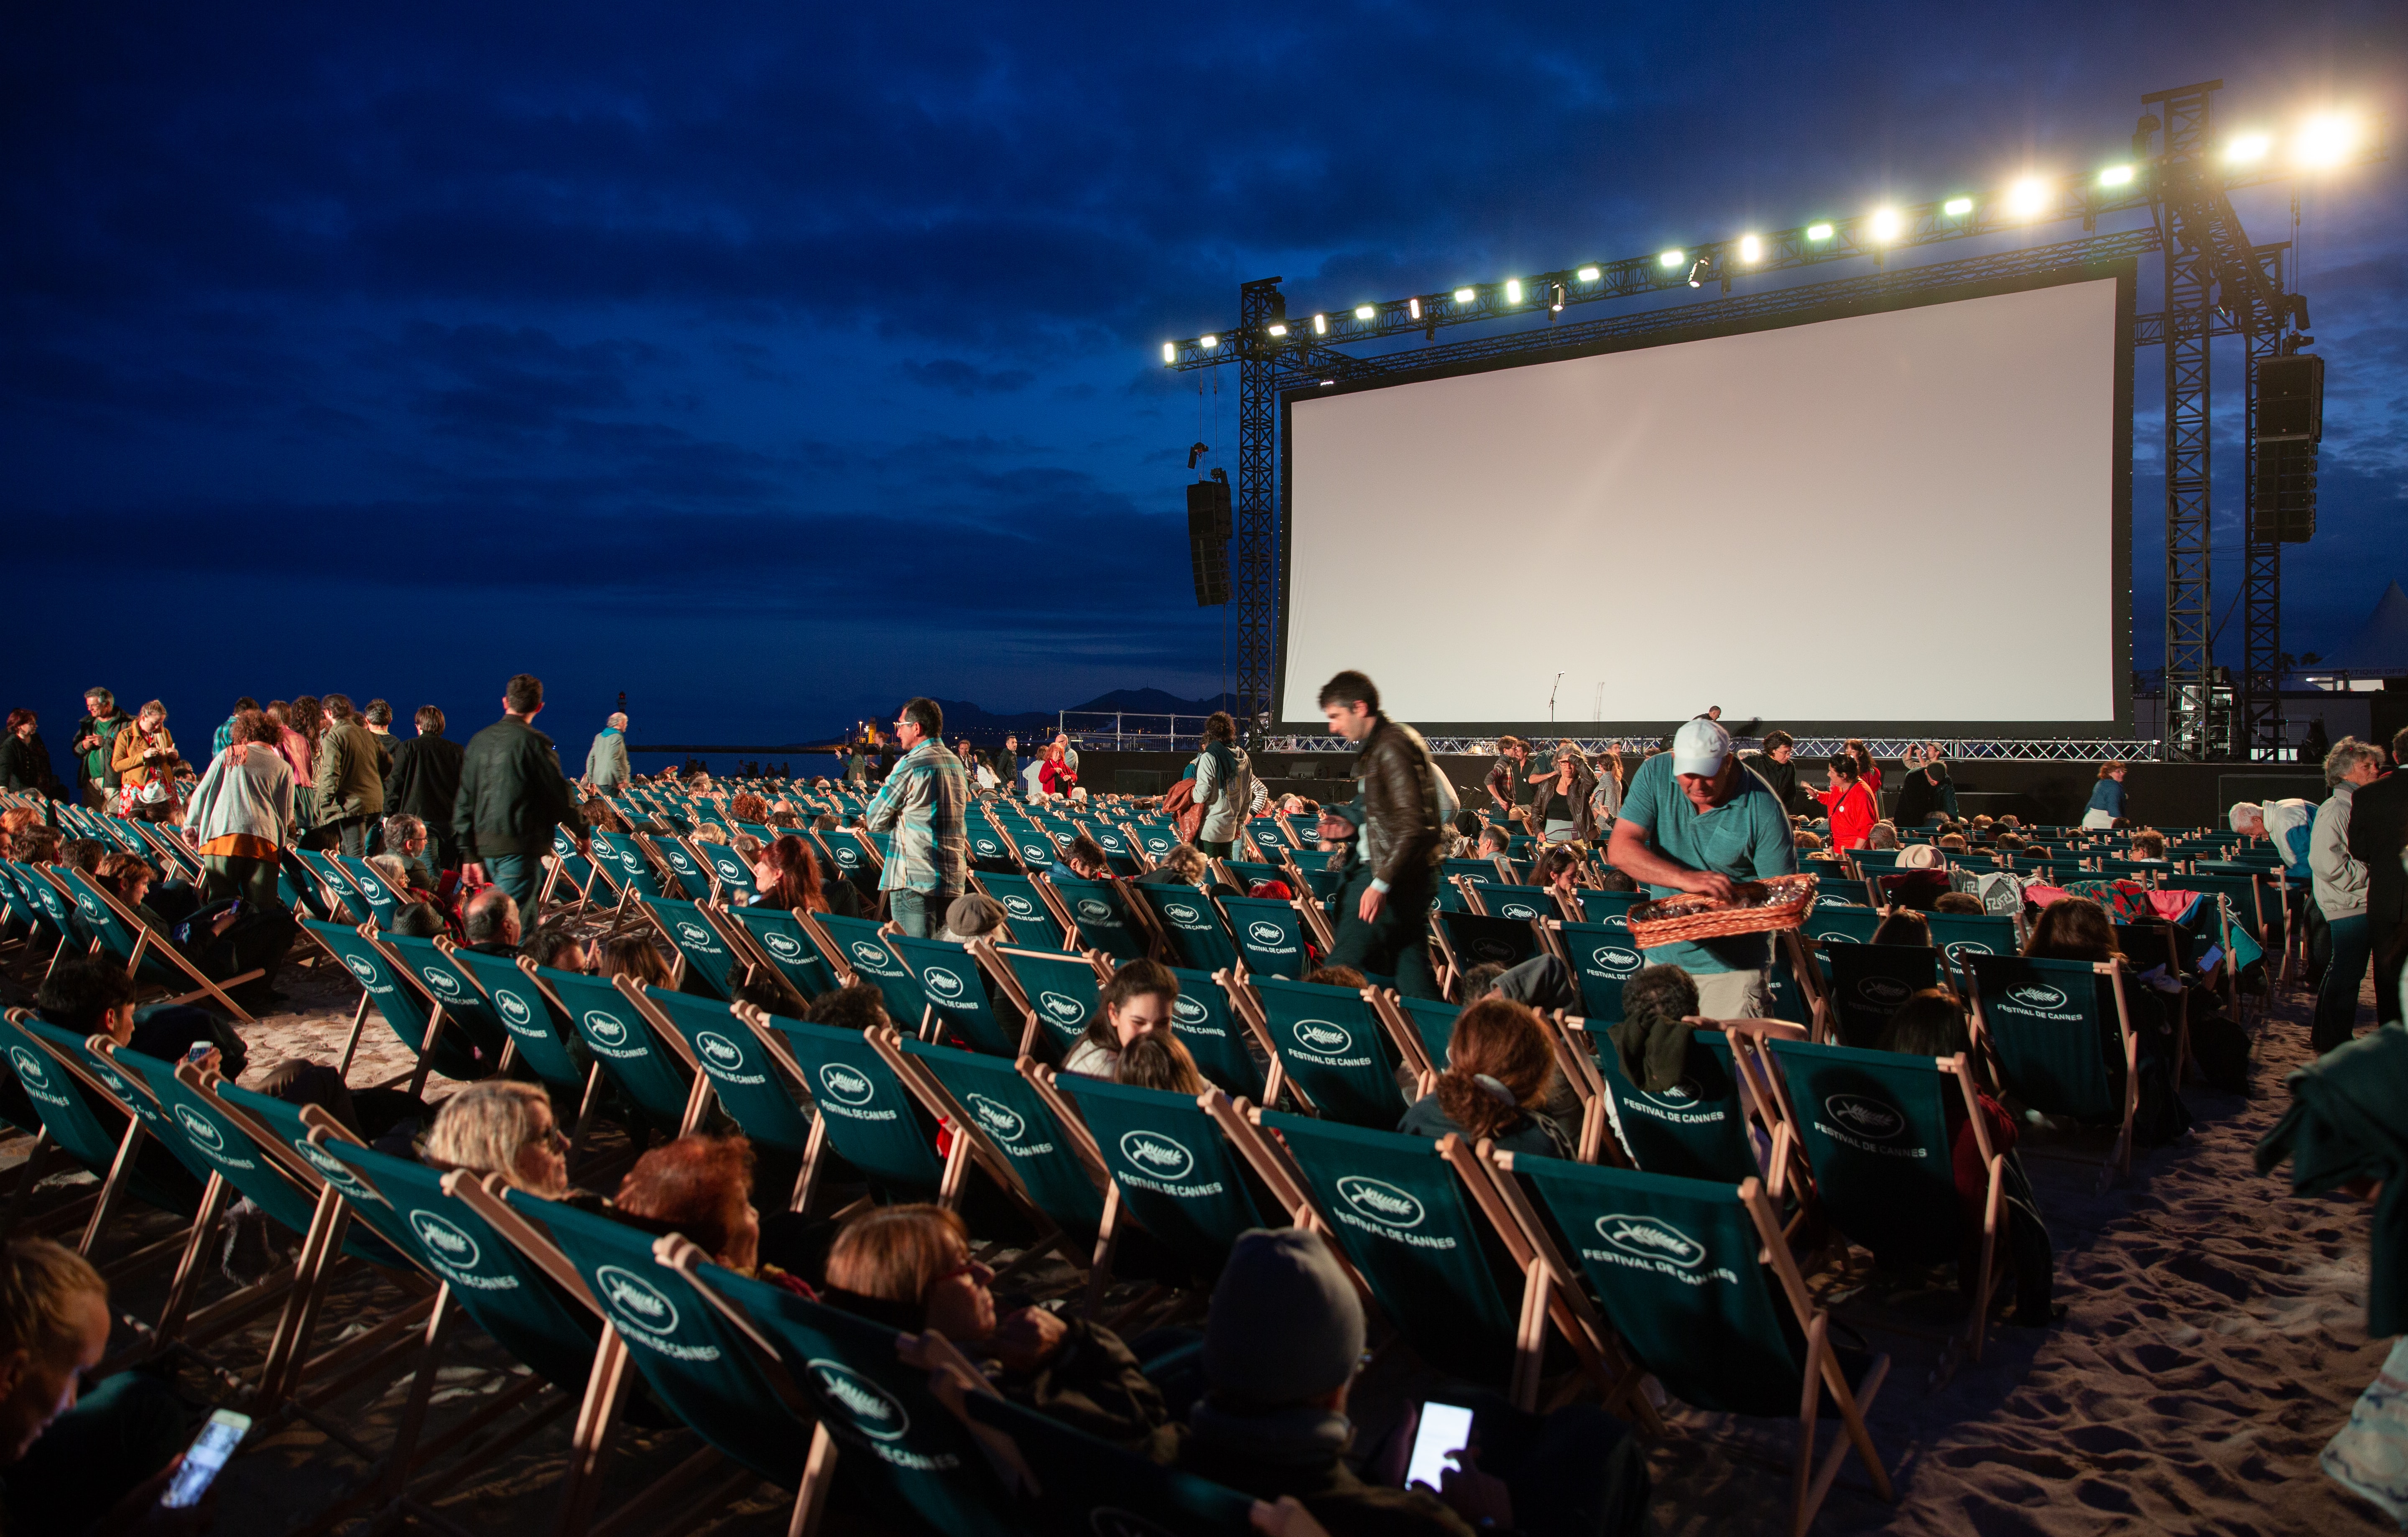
(1746, 838)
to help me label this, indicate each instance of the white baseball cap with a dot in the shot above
(1700, 747)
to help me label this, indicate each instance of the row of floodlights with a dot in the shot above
(2323, 140)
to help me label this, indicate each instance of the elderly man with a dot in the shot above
(1696, 821)
(605, 761)
(2340, 892)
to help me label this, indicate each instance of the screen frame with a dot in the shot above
(2124, 273)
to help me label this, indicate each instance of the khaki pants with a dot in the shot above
(1734, 994)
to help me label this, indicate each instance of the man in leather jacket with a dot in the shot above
(1384, 924)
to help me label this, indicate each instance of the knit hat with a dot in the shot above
(1350, 813)
(1287, 1324)
(972, 914)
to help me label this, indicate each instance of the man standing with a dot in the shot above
(1773, 767)
(227, 736)
(1384, 923)
(605, 761)
(1010, 765)
(95, 736)
(511, 795)
(922, 802)
(1509, 778)
(350, 777)
(1696, 821)
(2378, 832)
(424, 782)
(378, 716)
(1225, 783)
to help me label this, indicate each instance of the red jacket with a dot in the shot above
(1853, 811)
(1056, 777)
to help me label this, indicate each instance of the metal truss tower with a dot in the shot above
(2188, 118)
(1259, 305)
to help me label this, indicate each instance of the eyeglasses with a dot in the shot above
(554, 1139)
(978, 1270)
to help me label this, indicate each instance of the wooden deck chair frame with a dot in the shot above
(743, 947)
(1242, 1122)
(2119, 1154)
(1406, 1038)
(1082, 1143)
(416, 1077)
(1246, 1006)
(1811, 1482)
(170, 850)
(593, 1073)
(698, 1099)
(987, 954)
(815, 1151)
(147, 942)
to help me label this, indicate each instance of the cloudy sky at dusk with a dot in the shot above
(772, 363)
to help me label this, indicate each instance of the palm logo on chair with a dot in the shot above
(360, 968)
(1614, 961)
(1882, 992)
(1517, 910)
(339, 1173)
(1962, 948)
(1180, 912)
(2035, 995)
(1034, 851)
(1157, 1156)
(1187, 1012)
(1865, 1116)
(784, 947)
(1321, 1039)
(1381, 1203)
(1265, 933)
(1000, 1121)
(203, 1131)
(845, 1085)
(514, 1009)
(941, 983)
(1019, 906)
(1094, 911)
(1651, 1239)
(872, 957)
(455, 1252)
(872, 1410)
(1069, 1010)
(636, 1304)
(694, 934)
(29, 1070)
(607, 1030)
(440, 981)
(720, 1052)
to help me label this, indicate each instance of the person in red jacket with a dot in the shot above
(1849, 803)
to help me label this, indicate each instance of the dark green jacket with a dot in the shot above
(511, 793)
(350, 772)
(96, 763)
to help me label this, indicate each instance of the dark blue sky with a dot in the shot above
(773, 363)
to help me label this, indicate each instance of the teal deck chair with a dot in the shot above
(1191, 924)
(743, 1068)
(1178, 1175)
(779, 938)
(1470, 939)
(1842, 923)
(1101, 915)
(149, 958)
(1402, 1218)
(705, 954)
(2061, 1035)
(1525, 904)
(1673, 1266)
(1014, 1116)
(100, 1136)
(735, 875)
(1698, 1128)
(538, 1027)
(577, 870)
(865, 1112)
(1875, 1129)
(1269, 935)
(110, 1077)
(635, 873)
(1960, 935)
(1061, 990)
(651, 1073)
(53, 916)
(690, 876)
(1028, 841)
(1270, 835)
(1084, 1485)
(1202, 1020)
(1156, 839)
(1869, 981)
(987, 843)
(298, 887)
(334, 888)
(953, 983)
(403, 1006)
(862, 944)
(1433, 1021)
(1025, 911)
(464, 1004)
(1603, 961)
(1335, 1048)
(382, 902)
(1250, 872)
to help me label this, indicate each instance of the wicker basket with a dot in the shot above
(1769, 907)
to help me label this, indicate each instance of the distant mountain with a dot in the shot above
(1154, 701)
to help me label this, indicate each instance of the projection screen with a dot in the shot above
(1890, 519)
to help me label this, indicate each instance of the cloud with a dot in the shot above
(966, 379)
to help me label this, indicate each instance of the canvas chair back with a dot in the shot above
(1249, 871)
(1874, 1126)
(120, 934)
(1332, 1043)
(1061, 990)
(49, 912)
(955, 987)
(1025, 910)
(741, 1068)
(1603, 959)
(650, 1073)
(296, 886)
(1869, 981)
(1176, 1171)
(1841, 922)
(735, 875)
(1523, 903)
(399, 1000)
(1960, 935)
(1269, 935)
(693, 880)
(687, 927)
(1155, 839)
(1009, 1111)
(284, 1122)
(1479, 872)
(78, 1126)
(863, 945)
(1083, 1484)
(580, 872)
(1404, 1221)
(987, 843)
(781, 939)
(1191, 923)
(1100, 913)
(335, 892)
(1433, 1020)
(2054, 1027)
(383, 902)
(453, 988)
(1472, 940)
(536, 1028)
(1204, 1023)
(865, 1112)
(125, 1085)
(1698, 1128)
(635, 873)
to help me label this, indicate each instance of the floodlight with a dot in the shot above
(1750, 248)
(1588, 274)
(1671, 259)
(1364, 311)
(1698, 270)
(2115, 176)
(2325, 140)
(1818, 232)
(1884, 225)
(1169, 352)
(1279, 329)
(1207, 343)
(1958, 208)
(1463, 295)
(1512, 290)
(2248, 148)
(1320, 326)
(1413, 307)
(2028, 196)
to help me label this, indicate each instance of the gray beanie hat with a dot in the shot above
(1287, 1324)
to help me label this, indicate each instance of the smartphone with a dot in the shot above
(198, 1051)
(204, 1458)
(1445, 1428)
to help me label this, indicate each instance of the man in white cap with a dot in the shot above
(1696, 821)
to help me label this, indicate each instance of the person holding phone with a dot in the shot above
(95, 1460)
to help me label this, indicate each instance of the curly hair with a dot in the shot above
(1498, 1039)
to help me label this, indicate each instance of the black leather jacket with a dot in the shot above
(1400, 821)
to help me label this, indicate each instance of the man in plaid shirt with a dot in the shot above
(922, 802)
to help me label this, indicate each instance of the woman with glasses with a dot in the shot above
(501, 1127)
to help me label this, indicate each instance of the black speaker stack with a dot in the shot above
(1208, 528)
(2290, 423)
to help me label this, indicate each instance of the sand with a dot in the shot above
(2215, 1340)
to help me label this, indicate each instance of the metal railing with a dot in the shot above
(1132, 733)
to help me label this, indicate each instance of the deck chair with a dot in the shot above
(1523, 904)
(1875, 1129)
(1204, 1021)
(1841, 922)
(1332, 1044)
(1609, 909)
(1698, 1128)
(1191, 924)
(2060, 1032)
(1960, 935)
(1270, 935)
(654, 1070)
(447, 984)
(149, 958)
(1175, 1171)
(987, 844)
(1060, 990)
(1869, 981)
(298, 889)
(334, 889)
(1603, 959)
(417, 1019)
(704, 959)
(862, 945)
(1469, 939)
(382, 901)
(1026, 913)
(84, 1119)
(688, 874)
(1099, 911)
(539, 1029)
(1697, 1282)
(636, 875)
(731, 874)
(579, 872)
(47, 909)
(778, 939)
(866, 1117)
(950, 978)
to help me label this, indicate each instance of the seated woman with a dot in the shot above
(1497, 1067)
(222, 940)
(499, 1126)
(1904, 925)
(910, 1268)
(633, 956)
(702, 1187)
(1158, 1062)
(2077, 928)
(787, 876)
(1136, 1002)
(1557, 868)
(1931, 1023)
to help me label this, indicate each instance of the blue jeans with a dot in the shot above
(918, 914)
(522, 876)
(2353, 947)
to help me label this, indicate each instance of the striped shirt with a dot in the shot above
(924, 802)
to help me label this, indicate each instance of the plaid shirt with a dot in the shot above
(922, 803)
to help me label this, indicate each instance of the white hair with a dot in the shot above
(2245, 811)
(619, 720)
